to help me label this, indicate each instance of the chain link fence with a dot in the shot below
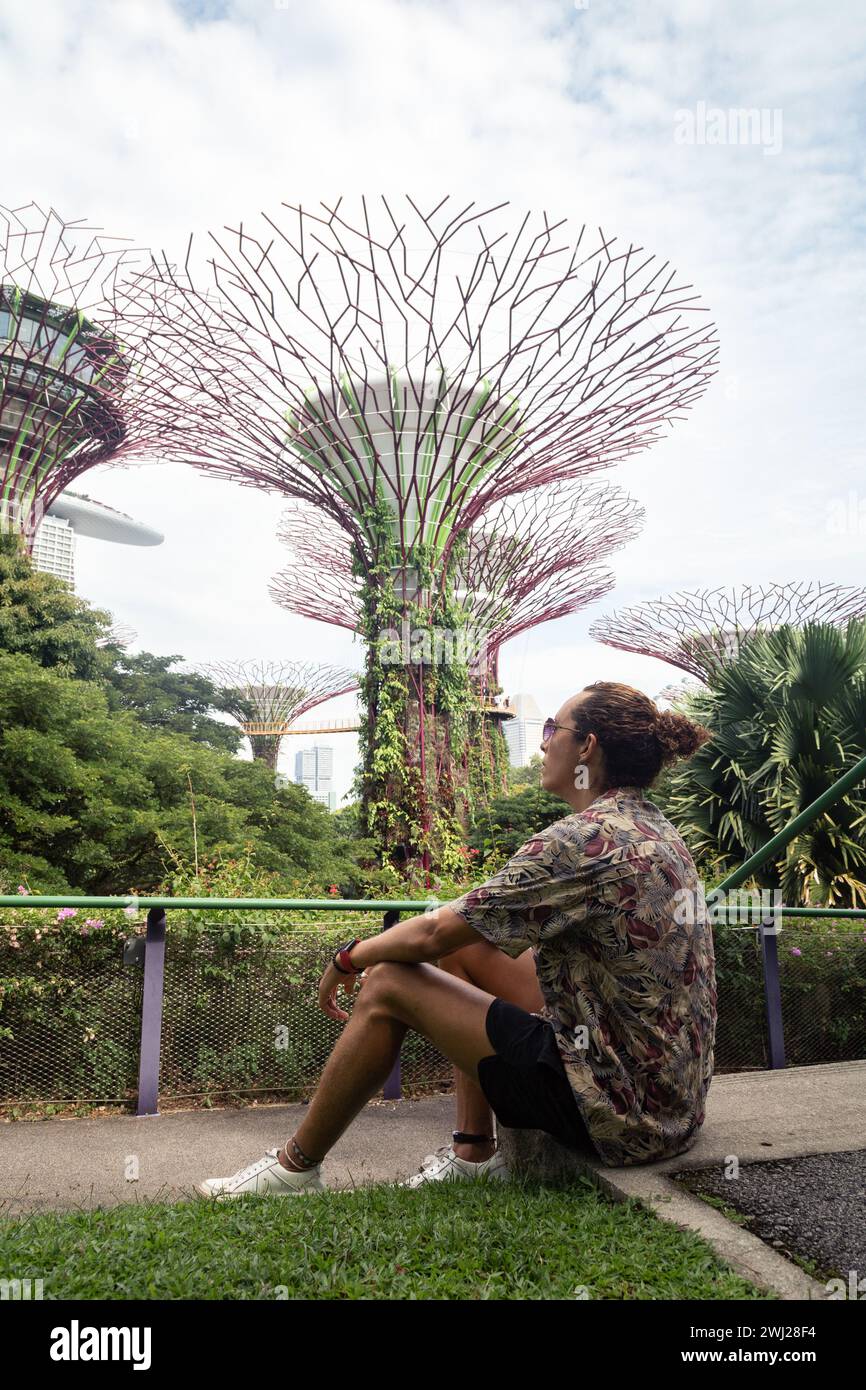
(822, 977)
(254, 1024)
(71, 1031)
(241, 1018)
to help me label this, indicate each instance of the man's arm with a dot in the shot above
(423, 938)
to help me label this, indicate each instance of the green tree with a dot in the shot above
(105, 801)
(40, 617)
(171, 701)
(527, 776)
(510, 821)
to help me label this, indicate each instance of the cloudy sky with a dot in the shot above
(154, 119)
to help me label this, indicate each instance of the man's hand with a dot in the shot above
(424, 938)
(328, 986)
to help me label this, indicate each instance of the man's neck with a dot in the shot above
(580, 798)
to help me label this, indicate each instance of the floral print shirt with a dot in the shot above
(610, 900)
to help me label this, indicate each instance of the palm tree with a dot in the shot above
(788, 717)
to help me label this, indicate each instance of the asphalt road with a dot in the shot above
(813, 1207)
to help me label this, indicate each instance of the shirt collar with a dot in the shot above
(625, 792)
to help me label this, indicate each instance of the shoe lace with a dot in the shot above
(255, 1168)
(435, 1158)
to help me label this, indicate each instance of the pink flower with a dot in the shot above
(26, 892)
(795, 951)
(66, 912)
(94, 922)
(85, 931)
(130, 911)
(334, 890)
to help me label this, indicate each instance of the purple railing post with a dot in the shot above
(151, 1013)
(769, 931)
(393, 1088)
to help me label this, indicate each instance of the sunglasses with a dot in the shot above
(550, 725)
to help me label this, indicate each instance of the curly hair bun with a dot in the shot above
(678, 737)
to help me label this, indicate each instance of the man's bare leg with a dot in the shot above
(474, 1115)
(484, 965)
(357, 1069)
(395, 996)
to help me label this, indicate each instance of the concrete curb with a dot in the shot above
(746, 1253)
(534, 1153)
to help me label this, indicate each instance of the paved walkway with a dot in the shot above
(69, 1163)
(61, 1163)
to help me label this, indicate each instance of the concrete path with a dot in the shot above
(75, 1163)
(781, 1114)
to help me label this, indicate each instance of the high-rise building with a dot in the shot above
(54, 549)
(523, 732)
(314, 769)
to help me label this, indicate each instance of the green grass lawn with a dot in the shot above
(520, 1240)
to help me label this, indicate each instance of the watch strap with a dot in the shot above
(342, 959)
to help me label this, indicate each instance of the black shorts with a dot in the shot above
(526, 1083)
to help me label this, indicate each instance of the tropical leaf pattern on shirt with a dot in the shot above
(610, 900)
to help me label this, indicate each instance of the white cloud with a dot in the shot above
(154, 119)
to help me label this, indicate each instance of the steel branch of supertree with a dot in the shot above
(119, 635)
(702, 630)
(532, 558)
(428, 362)
(65, 403)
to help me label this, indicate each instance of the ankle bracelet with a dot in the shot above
(300, 1157)
(459, 1137)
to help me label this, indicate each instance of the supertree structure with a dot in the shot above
(703, 630)
(530, 559)
(537, 556)
(404, 370)
(267, 697)
(64, 403)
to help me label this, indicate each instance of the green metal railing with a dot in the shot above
(232, 904)
(768, 925)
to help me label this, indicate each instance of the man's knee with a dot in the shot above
(383, 978)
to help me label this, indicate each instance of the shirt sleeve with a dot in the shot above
(540, 893)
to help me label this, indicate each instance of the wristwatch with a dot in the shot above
(342, 959)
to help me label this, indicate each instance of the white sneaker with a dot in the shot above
(266, 1178)
(445, 1166)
